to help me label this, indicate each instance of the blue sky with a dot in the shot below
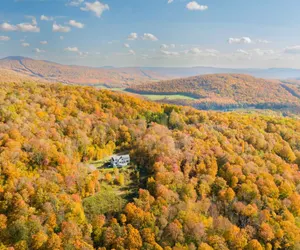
(219, 33)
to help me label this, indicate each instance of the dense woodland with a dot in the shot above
(223, 91)
(211, 180)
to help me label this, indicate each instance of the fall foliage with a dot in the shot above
(223, 91)
(207, 180)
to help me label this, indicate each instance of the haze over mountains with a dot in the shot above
(71, 74)
(123, 77)
(271, 73)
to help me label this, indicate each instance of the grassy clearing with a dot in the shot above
(152, 97)
(168, 97)
(108, 200)
(112, 89)
(117, 188)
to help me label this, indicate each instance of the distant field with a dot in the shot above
(153, 97)
(113, 89)
(168, 97)
(117, 89)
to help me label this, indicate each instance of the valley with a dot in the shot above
(223, 92)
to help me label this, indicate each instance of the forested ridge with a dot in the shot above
(219, 91)
(214, 180)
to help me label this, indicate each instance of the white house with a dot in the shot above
(120, 161)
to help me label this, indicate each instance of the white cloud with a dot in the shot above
(195, 51)
(263, 52)
(213, 51)
(77, 51)
(150, 37)
(27, 27)
(241, 51)
(144, 56)
(43, 42)
(113, 41)
(202, 52)
(4, 38)
(170, 1)
(33, 20)
(61, 38)
(126, 45)
(246, 40)
(195, 6)
(242, 40)
(263, 41)
(166, 46)
(257, 52)
(37, 50)
(76, 24)
(25, 44)
(132, 36)
(131, 52)
(72, 49)
(83, 54)
(97, 8)
(60, 28)
(46, 18)
(75, 3)
(23, 27)
(292, 49)
(170, 53)
(8, 27)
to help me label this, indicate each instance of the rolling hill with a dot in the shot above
(123, 77)
(69, 74)
(224, 90)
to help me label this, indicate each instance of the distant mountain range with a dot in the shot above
(71, 74)
(124, 77)
(271, 73)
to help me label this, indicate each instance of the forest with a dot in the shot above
(226, 91)
(207, 180)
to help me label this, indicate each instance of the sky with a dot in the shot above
(154, 33)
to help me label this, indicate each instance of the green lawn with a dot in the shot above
(169, 97)
(113, 195)
(109, 200)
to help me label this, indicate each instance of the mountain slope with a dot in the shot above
(223, 89)
(199, 180)
(8, 76)
(78, 74)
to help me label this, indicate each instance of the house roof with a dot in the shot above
(118, 157)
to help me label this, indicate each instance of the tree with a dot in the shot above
(133, 239)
